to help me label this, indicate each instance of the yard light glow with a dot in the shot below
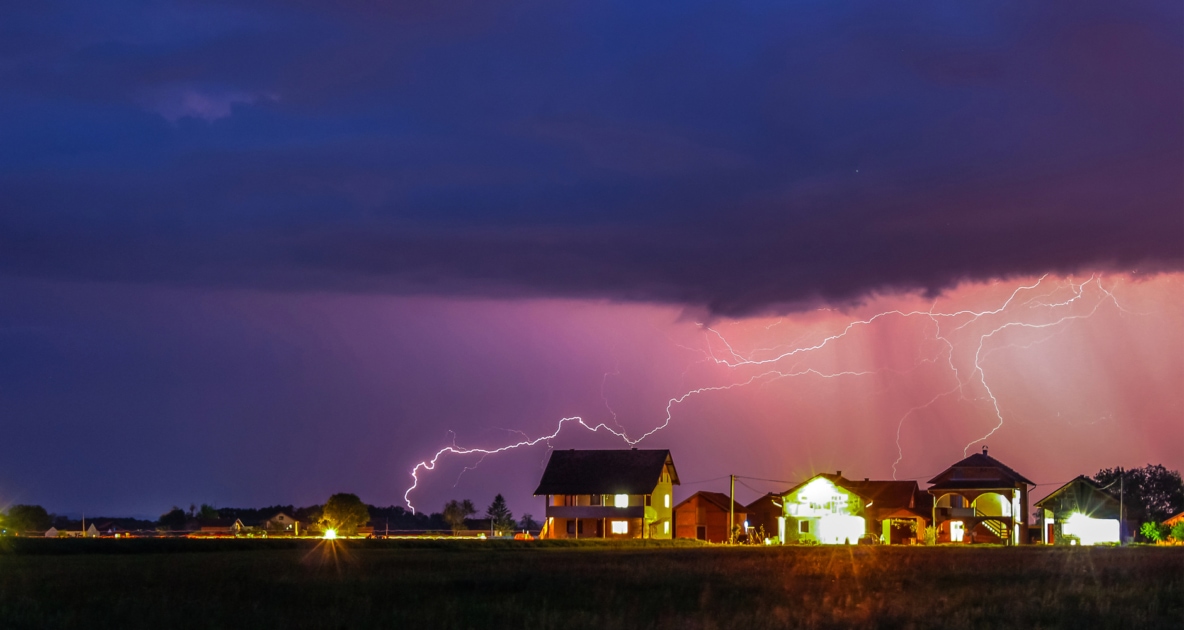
(837, 529)
(330, 534)
(1091, 531)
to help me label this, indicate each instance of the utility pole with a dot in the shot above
(1121, 514)
(732, 510)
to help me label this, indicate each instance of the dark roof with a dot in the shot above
(718, 499)
(605, 472)
(884, 494)
(1080, 495)
(978, 460)
(770, 503)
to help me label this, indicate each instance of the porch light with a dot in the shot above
(330, 534)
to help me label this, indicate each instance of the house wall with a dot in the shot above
(592, 528)
(662, 502)
(815, 501)
(698, 512)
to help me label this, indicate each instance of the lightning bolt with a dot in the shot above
(1033, 306)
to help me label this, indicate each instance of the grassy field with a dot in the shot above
(472, 584)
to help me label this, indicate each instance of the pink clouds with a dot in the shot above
(1062, 376)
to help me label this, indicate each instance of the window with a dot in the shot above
(666, 527)
(647, 500)
(957, 531)
(804, 527)
(620, 500)
(620, 527)
(597, 499)
(666, 499)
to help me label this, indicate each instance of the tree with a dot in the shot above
(455, 513)
(500, 517)
(345, 513)
(174, 519)
(208, 513)
(28, 518)
(1177, 532)
(1152, 531)
(1150, 493)
(528, 523)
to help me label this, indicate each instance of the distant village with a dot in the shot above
(628, 494)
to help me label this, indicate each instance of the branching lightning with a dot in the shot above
(1033, 306)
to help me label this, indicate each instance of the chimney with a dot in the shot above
(866, 479)
(984, 449)
(635, 448)
(838, 473)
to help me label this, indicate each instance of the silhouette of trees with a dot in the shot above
(345, 513)
(455, 513)
(500, 517)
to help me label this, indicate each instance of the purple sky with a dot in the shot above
(257, 252)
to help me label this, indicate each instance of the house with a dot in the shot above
(704, 516)
(897, 511)
(281, 522)
(831, 509)
(980, 499)
(608, 494)
(822, 510)
(89, 532)
(764, 514)
(1079, 512)
(225, 526)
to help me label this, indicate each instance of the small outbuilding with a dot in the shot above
(1079, 512)
(704, 516)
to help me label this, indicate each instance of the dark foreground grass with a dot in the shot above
(472, 584)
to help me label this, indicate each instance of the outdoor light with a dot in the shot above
(330, 534)
(1091, 531)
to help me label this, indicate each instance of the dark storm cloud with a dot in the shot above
(728, 154)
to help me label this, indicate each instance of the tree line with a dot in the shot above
(343, 512)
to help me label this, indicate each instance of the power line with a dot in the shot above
(692, 483)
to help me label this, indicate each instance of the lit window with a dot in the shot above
(666, 527)
(621, 500)
(620, 527)
(957, 531)
(666, 499)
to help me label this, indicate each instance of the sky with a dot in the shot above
(259, 252)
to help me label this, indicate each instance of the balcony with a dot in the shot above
(595, 511)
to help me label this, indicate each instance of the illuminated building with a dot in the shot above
(1079, 512)
(830, 509)
(980, 500)
(704, 516)
(608, 494)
